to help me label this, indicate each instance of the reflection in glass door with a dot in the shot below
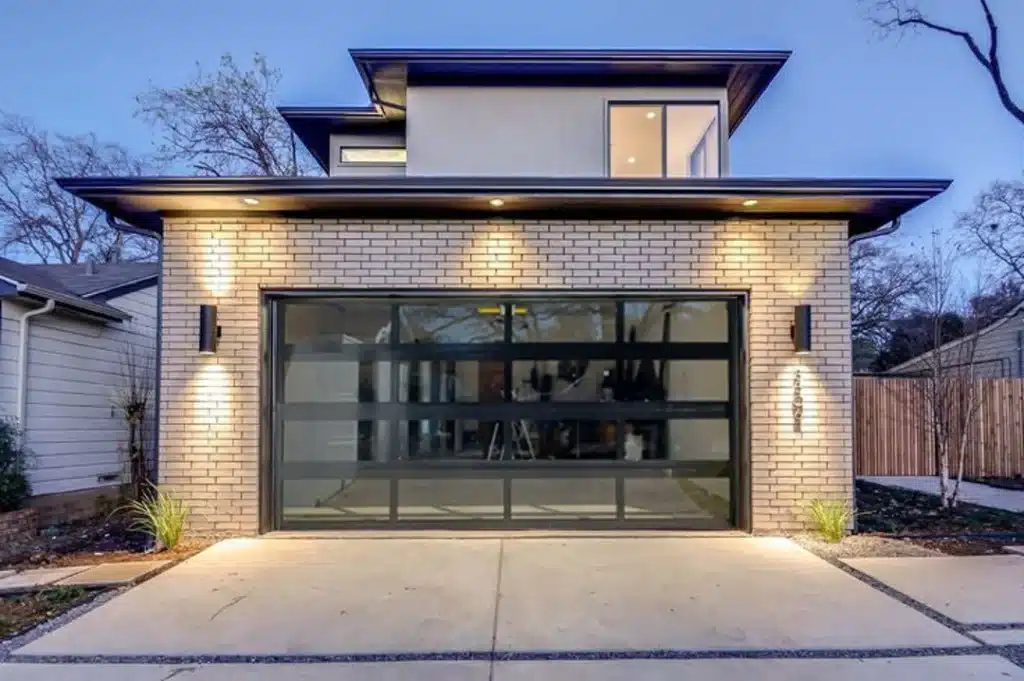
(525, 412)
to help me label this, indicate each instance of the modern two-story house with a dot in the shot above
(527, 294)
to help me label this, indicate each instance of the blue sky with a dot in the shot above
(846, 105)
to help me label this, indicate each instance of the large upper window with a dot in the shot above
(663, 140)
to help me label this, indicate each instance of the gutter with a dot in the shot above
(121, 226)
(23, 357)
(74, 302)
(881, 231)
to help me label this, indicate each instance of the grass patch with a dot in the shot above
(160, 516)
(20, 613)
(831, 518)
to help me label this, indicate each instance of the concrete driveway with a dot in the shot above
(511, 608)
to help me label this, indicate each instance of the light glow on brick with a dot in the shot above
(218, 266)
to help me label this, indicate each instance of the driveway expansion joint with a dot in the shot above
(524, 656)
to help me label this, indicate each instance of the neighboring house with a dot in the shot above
(64, 333)
(528, 294)
(997, 352)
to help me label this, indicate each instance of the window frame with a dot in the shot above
(342, 148)
(663, 105)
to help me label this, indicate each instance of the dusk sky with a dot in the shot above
(846, 104)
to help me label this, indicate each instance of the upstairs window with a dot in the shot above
(373, 156)
(663, 140)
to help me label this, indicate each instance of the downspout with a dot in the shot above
(23, 357)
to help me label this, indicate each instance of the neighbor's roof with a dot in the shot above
(865, 203)
(74, 288)
(106, 280)
(387, 73)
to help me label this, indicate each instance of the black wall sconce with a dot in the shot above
(209, 332)
(801, 329)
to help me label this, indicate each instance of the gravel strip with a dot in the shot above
(517, 656)
(11, 644)
(863, 546)
(906, 600)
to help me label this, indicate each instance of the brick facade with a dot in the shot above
(209, 411)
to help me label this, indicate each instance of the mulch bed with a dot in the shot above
(104, 540)
(918, 518)
(21, 613)
(1014, 483)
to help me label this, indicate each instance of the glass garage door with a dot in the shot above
(504, 412)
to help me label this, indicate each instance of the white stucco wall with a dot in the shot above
(526, 131)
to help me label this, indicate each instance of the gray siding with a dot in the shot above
(996, 353)
(74, 367)
(539, 131)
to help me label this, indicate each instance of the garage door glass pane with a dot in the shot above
(677, 322)
(677, 440)
(704, 501)
(446, 381)
(327, 324)
(454, 322)
(573, 322)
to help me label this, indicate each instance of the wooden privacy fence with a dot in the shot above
(891, 435)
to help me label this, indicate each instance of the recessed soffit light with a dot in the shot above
(749, 203)
(497, 203)
(249, 201)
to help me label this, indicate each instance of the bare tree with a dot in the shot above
(132, 398)
(994, 227)
(947, 383)
(899, 16)
(40, 221)
(883, 281)
(225, 122)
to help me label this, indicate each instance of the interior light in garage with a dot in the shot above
(209, 332)
(652, 115)
(801, 329)
(500, 309)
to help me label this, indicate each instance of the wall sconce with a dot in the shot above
(209, 332)
(801, 329)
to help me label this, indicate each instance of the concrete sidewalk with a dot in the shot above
(970, 492)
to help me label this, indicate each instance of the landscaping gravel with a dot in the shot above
(864, 546)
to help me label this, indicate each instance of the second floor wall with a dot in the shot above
(552, 132)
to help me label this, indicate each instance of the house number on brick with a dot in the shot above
(798, 404)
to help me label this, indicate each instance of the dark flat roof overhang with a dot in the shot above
(313, 125)
(745, 74)
(866, 204)
(387, 73)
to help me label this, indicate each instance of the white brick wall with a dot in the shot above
(210, 405)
